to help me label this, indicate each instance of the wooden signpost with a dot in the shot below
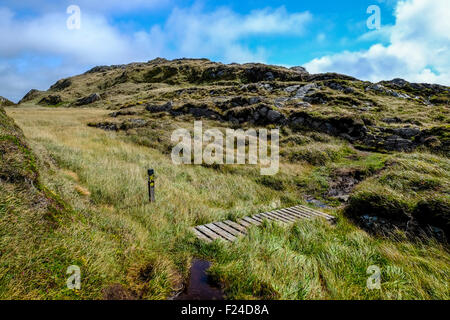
(151, 185)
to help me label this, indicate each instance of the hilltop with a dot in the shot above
(5, 102)
(388, 116)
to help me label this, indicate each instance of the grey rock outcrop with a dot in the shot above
(88, 100)
(32, 94)
(50, 100)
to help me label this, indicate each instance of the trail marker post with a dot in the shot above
(151, 185)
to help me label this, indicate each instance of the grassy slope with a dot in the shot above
(116, 237)
(416, 184)
(205, 82)
(31, 216)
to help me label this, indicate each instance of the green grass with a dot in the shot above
(313, 260)
(408, 180)
(117, 237)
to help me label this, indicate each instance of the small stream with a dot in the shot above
(200, 287)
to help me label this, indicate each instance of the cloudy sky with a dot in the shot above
(37, 47)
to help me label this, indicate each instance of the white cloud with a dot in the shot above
(418, 50)
(109, 6)
(95, 42)
(218, 33)
(36, 52)
(59, 52)
(187, 32)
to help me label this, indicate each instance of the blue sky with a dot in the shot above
(37, 48)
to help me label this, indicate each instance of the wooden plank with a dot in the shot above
(278, 217)
(252, 221)
(310, 213)
(299, 214)
(236, 226)
(209, 233)
(257, 218)
(228, 229)
(313, 212)
(266, 216)
(201, 236)
(300, 211)
(220, 232)
(257, 221)
(292, 214)
(244, 223)
(288, 217)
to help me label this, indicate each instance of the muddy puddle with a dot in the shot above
(200, 286)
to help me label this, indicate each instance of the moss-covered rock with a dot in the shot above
(379, 202)
(434, 212)
(410, 187)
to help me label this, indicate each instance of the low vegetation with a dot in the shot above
(30, 215)
(412, 187)
(128, 247)
(374, 155)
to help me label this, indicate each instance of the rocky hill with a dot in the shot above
(374, 155)
(384, 118)
(388, 116)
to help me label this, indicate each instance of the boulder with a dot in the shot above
(303, 91)
(61, 85)
(399, 82)
(339, 87)
(254, 100)
(397, 143)
(263, 111)
(300, 70)
(274, 116)
(279, 102)
(163, 108)
(50, 100)
(407, 133)
(292, 88)
(269, 76)
(376, 87)
(88, 100)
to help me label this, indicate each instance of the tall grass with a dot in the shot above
(117, 237)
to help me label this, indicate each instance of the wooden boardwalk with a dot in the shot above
(230, 231)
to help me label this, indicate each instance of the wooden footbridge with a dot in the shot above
(230, 231)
